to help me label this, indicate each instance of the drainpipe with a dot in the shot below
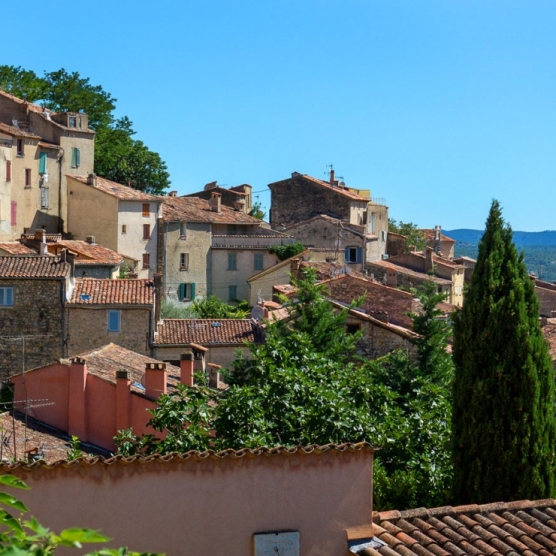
(60, 221)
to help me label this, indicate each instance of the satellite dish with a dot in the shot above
(257, 313)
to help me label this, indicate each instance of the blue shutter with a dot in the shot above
(192, 289)
(9, 296)
(113, 321)
(42, 163)
(346, 255)
(359, 255)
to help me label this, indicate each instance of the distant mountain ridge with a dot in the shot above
(521, 239)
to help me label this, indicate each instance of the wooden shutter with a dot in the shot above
(359, 258)
(14, 213)
(42, 163)
(146, 231)
(181, 292)
(8, 170)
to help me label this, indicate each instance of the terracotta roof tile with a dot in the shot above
(92, 254)
(16, 248)
(407, 271)
(103, 291)
(195, 209)
(122, 192)
(430, 234)
(16, 132)
(516, 528)
(206, 332)
(33, 267)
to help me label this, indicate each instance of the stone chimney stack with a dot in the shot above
(91, 240)
(173, 194)
(437, 236)
(239, 205)
(77, 415)
(332, 176)
(295, 266)
(215, 202)
(155, 379)
(429, 261)
(92, 179)
(186, 367)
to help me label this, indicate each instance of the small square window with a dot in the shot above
(124, 229)
(19, 144)
(114, 321)
(6, 297)
(146, 209)
(146, 260)
(232, 261)
(258, 262)
(27, 177)
(353, 328)
(72, 121)
(184, 261)
(146, 231)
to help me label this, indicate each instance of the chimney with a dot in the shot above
(214, 375)
(429, 262)
(295, 265)
(437, 235)
(239, 205)
(92, 179)
(157, 280)
(186, 367)
(155, 379)
(77, 413)
(91, 240)
(173, 194)
(123, 399)
(215, 202)
(332, 176)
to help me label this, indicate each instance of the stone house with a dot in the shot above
(442, 245)
(100, 312)
(33, 291)
(37, 149)
(220, 338)
(546, 294)
(120, 218)
(302, 197)
(208, 248)
(241, 194)
(442, 268)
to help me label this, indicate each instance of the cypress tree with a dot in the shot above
(503, 428)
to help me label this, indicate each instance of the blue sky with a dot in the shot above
(436, 106)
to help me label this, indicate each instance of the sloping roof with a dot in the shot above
(407, 271)
(206, 332)
(32, 107)
(16, 248)
(326, 270)
(335, 221)
(16, 132)
(524, 527)
(430, 235)
(92, 254)
(34, 440)
(195, 209)
(336, 189)
(281, 264)
(103, 291)
(121, 192)
(33, 267)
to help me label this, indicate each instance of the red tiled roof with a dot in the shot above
(33, 267)
(103, 291)
(206, 332)
(430, 235)
(195, 209)
(34, 440)
(515, 528)
(16, 248)
(407, 271)
(336, 189)
(16, 132)
(47, 145)
(92, 254)
(122, 192)
(32, 107)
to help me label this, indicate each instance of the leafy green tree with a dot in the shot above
(257, 211)
(414, 236)
(503, 415)
(118, 157)
(212, 307)
(284, 252)
(27, 537)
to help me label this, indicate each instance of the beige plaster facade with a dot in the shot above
(217, 502)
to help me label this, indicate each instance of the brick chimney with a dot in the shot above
(77, 411)
(155, 379)
(215, 202)
(123, 399)
(186, 367)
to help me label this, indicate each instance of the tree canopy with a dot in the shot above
(414, 236)
(118, 157)
(284, 252)
(503, 412)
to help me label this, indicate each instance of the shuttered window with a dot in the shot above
(146, 209)
(42, 163)
(258, 262)
(6, 297)
(353, 255)
(75, 157)
(232, 261)
(146, 260)
(114, 321)
(8, 170)
(232, 293)
(146, 231)
(186, 292)
(44, 197)
(13, 220)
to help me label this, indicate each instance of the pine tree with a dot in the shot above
(503, 429)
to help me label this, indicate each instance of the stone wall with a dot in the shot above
(88, 329)
(377, 341)
(38, 314)
(547, 301)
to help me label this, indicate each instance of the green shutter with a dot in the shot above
(42, 163)
(181, 292)
(192, 287)
(73, 157)
(77, 158)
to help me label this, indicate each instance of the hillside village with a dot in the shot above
(88, 268)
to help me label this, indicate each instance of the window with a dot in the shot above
(44, 197)
(232, 293)
(186, 292)
(27, 177)
(232, 229)
(146, 231)
(124, 229)
(353, 255)
(114, 321)
(6, 297)
(146, 209)
(75, 157)
(232, 261)
(19, 144)
(8, 170)
(42, 163)
(258, 262)
(184, 261)
(72, 121)
(13, 218)
(372, 222)
(146, 260)
(183, 230)
(353, 328)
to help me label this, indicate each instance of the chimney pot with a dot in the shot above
(173, 194)
(92, 179)
(91, 240)
(186, 368)
(215, 202)
(332, 176)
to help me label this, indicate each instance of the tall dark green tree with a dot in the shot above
(503, 397)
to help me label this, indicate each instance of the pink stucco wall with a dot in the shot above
(210, 506)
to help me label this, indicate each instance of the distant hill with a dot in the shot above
(539, 249)
(522, 239)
